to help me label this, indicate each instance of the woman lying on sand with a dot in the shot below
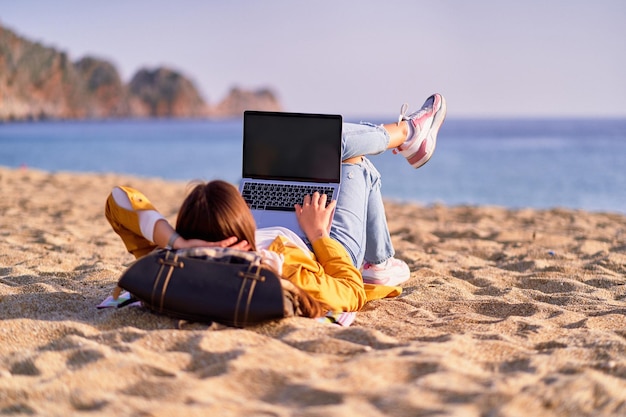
(344, 264)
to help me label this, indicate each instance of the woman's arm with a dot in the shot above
(153, 227)
(330, 277)
(337, 283)
(165, 236)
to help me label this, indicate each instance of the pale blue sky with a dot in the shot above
(490, 58)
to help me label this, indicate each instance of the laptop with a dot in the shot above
(285, 157)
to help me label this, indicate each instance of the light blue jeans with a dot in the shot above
(360, 223)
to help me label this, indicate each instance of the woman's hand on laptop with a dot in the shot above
(314, 216)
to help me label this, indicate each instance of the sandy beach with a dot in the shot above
(507, 313)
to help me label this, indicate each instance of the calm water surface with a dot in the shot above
(511, 163)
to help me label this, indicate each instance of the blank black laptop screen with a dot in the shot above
(292, 146)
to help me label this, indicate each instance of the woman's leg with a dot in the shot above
(360, 223)
(414, 136)
(351, 219)
(378, 246)
(360, 216)
(369, 139)
(132, 217)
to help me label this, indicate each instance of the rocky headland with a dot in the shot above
(39, 82)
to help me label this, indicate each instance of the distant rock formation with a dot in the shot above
(165, 93)
(239, 100)
(38, 82)
(105, 93)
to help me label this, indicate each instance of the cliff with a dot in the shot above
(165, 93)
(239, 100)
(39, 82)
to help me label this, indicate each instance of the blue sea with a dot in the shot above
(544, 163)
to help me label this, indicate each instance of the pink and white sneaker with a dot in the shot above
(424, 125)
(391, 272)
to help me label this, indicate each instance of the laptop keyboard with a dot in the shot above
(279, 196)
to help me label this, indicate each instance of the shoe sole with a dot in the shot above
(390, 282)
(417, 159)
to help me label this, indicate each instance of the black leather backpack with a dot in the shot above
(224, 285)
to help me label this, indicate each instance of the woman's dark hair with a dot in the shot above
(215, 211)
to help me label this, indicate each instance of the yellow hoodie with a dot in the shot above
(328, 275)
